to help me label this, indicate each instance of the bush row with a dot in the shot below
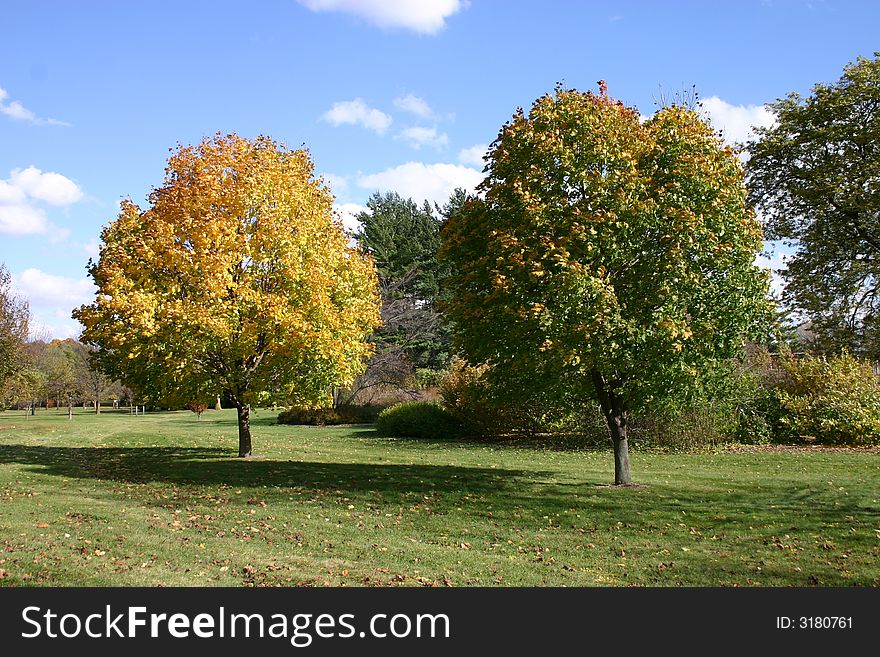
(762, 399)
(366, 414)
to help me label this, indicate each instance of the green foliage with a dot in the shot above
(610, 258)
(14, 320)
(829, 400)
(403, 239)
(64, 364)
(467, 395)
(25, 387)
(472, 399)
(605, 244)
(814, 177)
(349, 414)
(484, 410)
(425, 377)
(418, 420)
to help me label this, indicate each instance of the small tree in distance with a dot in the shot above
(198, 408)
(610, 259)
(237, 278)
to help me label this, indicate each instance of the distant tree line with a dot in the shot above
(59, 374)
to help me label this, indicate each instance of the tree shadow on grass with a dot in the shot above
(524, 491)
(541, 442)
(513, 500)
(215, 466)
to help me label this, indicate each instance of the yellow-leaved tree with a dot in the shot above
(237, 278)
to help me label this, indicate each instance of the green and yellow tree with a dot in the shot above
(610, 259)
(237, 278)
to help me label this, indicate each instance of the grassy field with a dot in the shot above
(161, 500)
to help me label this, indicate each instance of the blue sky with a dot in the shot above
(386, 94)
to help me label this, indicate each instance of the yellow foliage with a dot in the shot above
(239, 267)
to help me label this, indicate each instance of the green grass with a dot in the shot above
(161, 500)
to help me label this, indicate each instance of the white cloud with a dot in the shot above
(347, 212)
(51, 187)
(357, 112)
(414, 105)
(418, 137)
(420, 181)
(21, 193)
(42, 289)
(473, 155)
(15, 110)
(337, 184)
(51, 299)
(10, 193)
(22, 219)
(736, 121)
(775, 261)
(92, 248)
(422, 16)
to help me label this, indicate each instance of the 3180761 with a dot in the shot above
(814, 622)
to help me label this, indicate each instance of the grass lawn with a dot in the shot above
(161, 500)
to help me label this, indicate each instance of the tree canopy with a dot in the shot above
(14, 322)
(237, 278)
(815, 176)
(65, 366)
(403, 239)
(610, 259)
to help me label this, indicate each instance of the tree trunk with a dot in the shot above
(97, 407)
(614, 410)
(217, 406)
(244, 429)
(69, 409)
(621, 449)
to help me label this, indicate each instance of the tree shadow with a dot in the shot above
(539, 442)
(508, 501)
(215, 466)
(529, 492)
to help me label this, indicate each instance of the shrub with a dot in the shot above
(315, 416)
(833, 401)
(418, 419)
(466, 395)
(486, 411)
(198, 408)
(700, 424)
(425, 378)
(365, 414)
(734, 402)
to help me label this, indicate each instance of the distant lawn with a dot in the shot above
(162, 500)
